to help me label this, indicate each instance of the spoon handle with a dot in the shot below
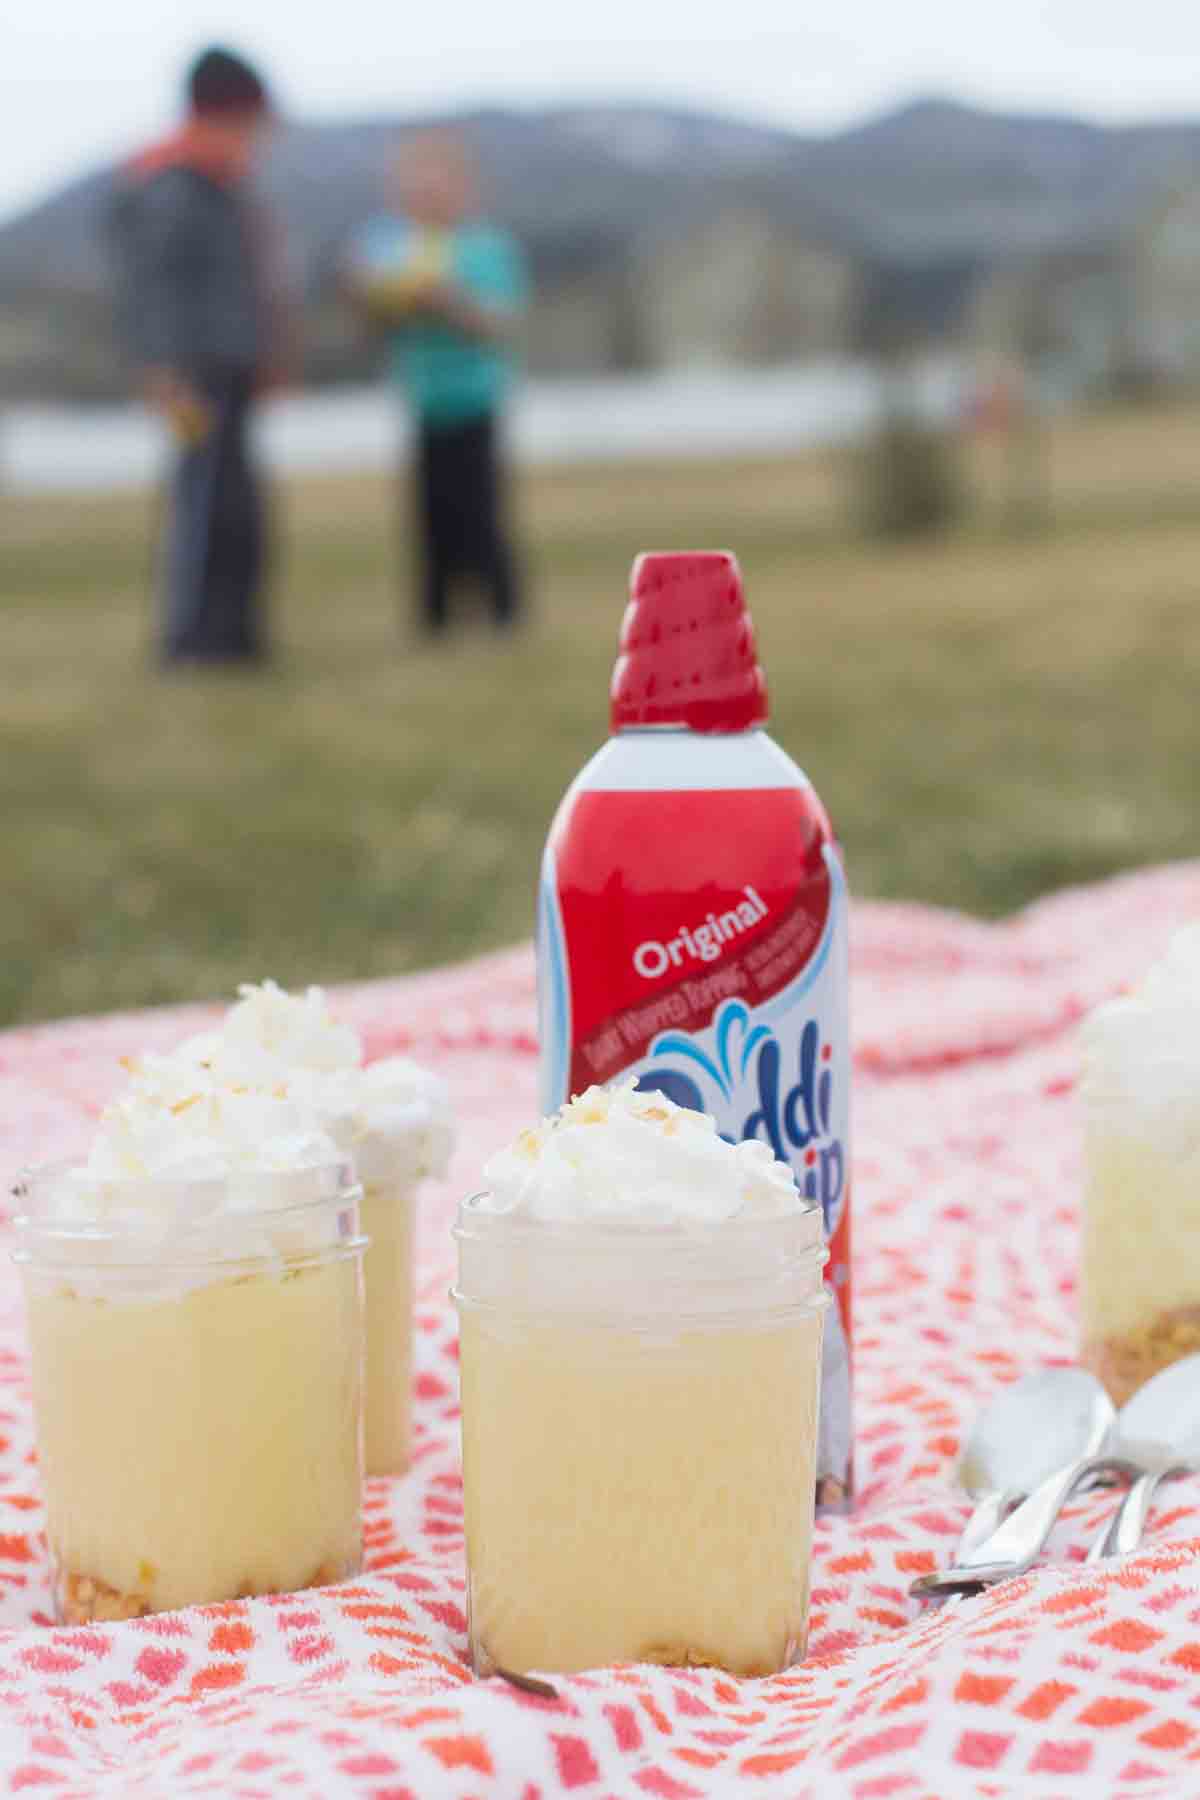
(987, 1516)
(1018, 1541)
(1126, 1528)
(1015, 1545)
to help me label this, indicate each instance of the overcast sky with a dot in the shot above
(81, 80)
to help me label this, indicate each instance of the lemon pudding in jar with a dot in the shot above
(194, 1305)
(1140, 1260)
(391, 1116)
(640, 1307)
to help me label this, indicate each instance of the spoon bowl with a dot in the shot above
(1024, 1434)
(1161, 1422)
(1159, 1427)
(1155, 1430)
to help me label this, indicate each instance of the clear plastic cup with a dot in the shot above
(639, 1419)
(197, 1392)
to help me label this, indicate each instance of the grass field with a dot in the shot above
(987, 718)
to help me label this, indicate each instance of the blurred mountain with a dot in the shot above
(587, 187)
(575, 172)
(57, 242)
(931, 179)
(938, 179)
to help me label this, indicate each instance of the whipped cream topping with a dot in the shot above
(154, 1170)
(268, 1029)
(206, 1134)
(1141, 1051)
(620, 1155)
(392, 1116)
(278, 1088)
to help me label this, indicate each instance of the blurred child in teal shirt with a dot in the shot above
(449, 289)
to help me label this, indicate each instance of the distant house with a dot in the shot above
(1067, 311)
(1119, 305)
(1164, 286)
(904, 308)
(737, 286)
(54, 341)
(1080, 319)
(583, 317)
(1001, 310)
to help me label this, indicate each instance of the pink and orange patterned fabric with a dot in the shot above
(1069, 1681)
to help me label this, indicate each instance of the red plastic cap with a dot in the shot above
(687, 654)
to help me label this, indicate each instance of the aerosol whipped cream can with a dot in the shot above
(692, 918)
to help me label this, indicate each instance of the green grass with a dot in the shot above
(986, 718)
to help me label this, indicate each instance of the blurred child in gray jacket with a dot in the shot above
(199, 322)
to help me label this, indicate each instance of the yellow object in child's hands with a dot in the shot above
(397, 288)
(190, 421)
(184, 410)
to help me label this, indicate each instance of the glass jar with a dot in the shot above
(1140, 1254)
(390, 1172)
(639, 1417)
(197, 1367)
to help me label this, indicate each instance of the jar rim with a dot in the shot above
(613, 1270)
(300, 1193)
(473, 1221)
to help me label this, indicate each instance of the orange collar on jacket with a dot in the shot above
(193, 146)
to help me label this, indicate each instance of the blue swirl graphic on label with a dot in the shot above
(776, 1072)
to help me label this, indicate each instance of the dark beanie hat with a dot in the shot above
(220, 82)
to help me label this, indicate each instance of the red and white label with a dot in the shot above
(697, 939)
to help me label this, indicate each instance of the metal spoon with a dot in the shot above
(1145, 1425)
(1023, 1435)
(1170, 1403)
(1017, 1444)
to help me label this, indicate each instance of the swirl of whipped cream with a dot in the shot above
(201, 1135)
(620, 1155)
(1141, 1051)
(392, 1116)
(153, 1169)
(268, 1027)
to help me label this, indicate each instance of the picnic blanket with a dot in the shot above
(1067, 1681)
